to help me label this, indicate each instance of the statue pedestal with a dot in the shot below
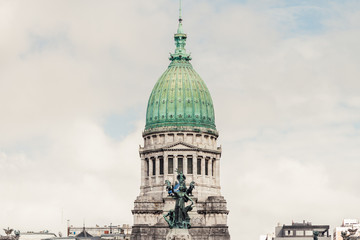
(178, 234)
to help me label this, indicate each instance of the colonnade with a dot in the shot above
(203, 169)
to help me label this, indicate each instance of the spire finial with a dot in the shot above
(180, 30)
(180, 18)
(180, 41)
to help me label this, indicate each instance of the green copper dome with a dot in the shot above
(180, 98)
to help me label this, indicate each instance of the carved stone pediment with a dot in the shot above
(180, 146)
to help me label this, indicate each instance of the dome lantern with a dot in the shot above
(180, 42)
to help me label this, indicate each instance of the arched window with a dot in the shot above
(170, 165)
(161, 162)
(189, 165)
(206, 167)
(213, 167)
(153, 167)
(147, 167)
(180, 164)
(199, 166)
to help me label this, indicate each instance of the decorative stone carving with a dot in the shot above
(178, 234)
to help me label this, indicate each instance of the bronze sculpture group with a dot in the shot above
(9, 235)
(316, 235)
(179, 217)
(349, 234)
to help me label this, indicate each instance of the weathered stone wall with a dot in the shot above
(144, 232)
(209, 215)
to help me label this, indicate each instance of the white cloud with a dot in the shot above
(287, 107)
(83, 175)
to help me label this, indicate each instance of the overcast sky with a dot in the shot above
(75, 77)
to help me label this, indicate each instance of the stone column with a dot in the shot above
(143, 169)
(166, 173)
(203, 169)
(217, 164)
(195, 167)
(185, 164)
(150, 171)
(157, 164)
(175, 161)
(213, 169)
(203, 166)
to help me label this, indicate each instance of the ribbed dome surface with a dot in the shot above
(180, 98)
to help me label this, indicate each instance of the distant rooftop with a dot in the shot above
(349, 222)
(302, 229)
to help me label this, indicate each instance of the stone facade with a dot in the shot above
(198, 156)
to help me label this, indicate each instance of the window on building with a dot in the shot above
(147, 167)
(161, 161)
(180, 164)
(154, 167)
(199, 166)
(213, 167)
(170, 165)
(189, 165)
(207, 167)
